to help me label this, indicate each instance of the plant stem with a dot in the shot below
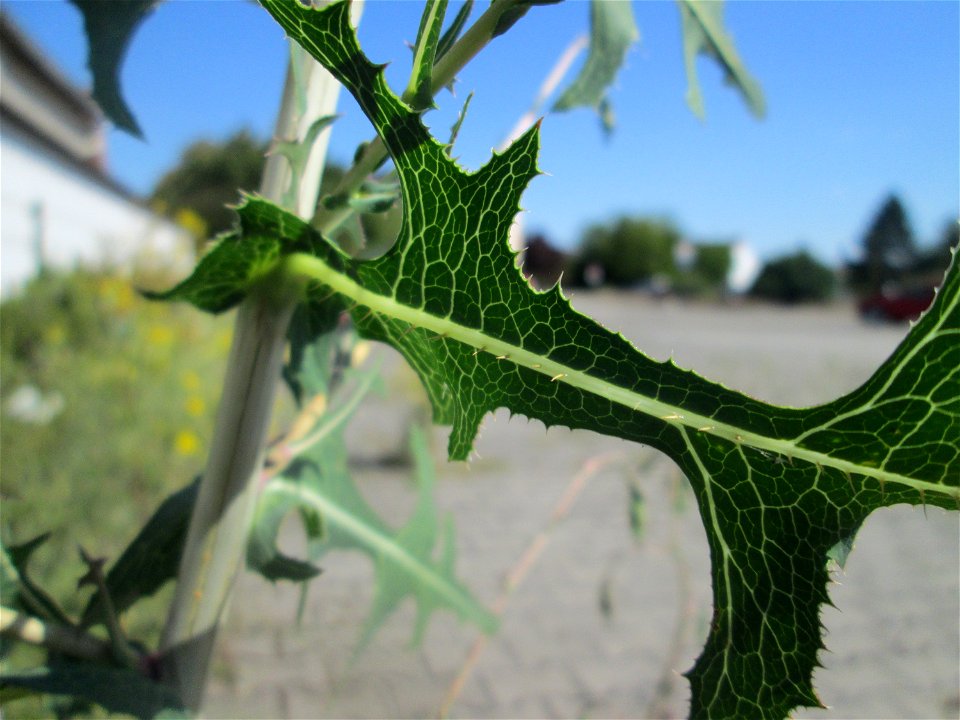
(220, 523)
(221, 518)
(216, 540)
(73, 642)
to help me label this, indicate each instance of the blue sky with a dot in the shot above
(863, 100)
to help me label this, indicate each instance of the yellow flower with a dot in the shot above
(117, 293)
(186, 443)
(160, 335)
(191, 222)
(195, 406)
(124, 297)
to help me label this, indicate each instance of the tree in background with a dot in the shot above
(543, 264)
(206, 179)
(889, 249)
(932, 264)
(631, 251)
(706, 272)
(794, 279)
(713, 262)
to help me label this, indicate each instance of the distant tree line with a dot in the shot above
(651, 253)
(795, 278)
(629, 252)
(632, 252)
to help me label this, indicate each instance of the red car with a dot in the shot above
(896, 306)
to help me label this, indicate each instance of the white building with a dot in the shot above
(744, 267)
(58, 206)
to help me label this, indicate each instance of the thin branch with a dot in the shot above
(550, 83)
(76, 643)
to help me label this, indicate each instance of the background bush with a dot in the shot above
(630, 251)
(208, 179)
(794, 279)
(107, 403)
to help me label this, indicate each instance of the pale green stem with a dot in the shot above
(216, 540)
(283, 453)
(218, 530)
(221, 518)
(30, 630)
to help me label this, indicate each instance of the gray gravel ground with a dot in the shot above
(602, 626)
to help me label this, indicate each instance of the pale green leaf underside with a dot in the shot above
(704, 34)
(318, 485)
(612, 32)
(777, 488)
(404, 562)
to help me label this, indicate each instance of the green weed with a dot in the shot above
(107, 401)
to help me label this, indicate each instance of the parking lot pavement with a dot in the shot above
(604, 623)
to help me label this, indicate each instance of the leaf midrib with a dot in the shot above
(301, 264)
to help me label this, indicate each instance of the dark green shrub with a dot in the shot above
(631, 251)
(794, 279)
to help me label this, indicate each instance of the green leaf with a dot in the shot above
(612, 32)
(373, 201)
(335, 514)
(420, 89)
(776, 488)
(19, 591)
(704, 34)
(110, 26)
(516, 10)
(841, 551)
(404, 563)
(263, 556)
(117, 690)
(458, 123)
(313, 352)
(151, 559)
(239, 261)
(326, 438)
